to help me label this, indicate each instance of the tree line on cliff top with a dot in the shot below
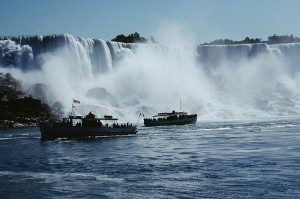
(274, 39)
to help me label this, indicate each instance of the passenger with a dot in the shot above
(90, 115)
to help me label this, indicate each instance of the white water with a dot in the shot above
(216, 82)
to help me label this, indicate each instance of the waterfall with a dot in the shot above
(93, 55)
(215, 81)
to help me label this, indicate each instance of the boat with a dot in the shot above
(88, 126)
(171, 118)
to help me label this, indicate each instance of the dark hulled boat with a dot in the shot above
(172, 118)
(88, 126)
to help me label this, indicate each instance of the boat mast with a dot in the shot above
(180, 104)
(72, 107)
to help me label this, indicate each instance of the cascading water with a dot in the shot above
(234, 81)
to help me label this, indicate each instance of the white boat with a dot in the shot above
(171, 118)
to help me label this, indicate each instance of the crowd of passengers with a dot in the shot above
(91, 121)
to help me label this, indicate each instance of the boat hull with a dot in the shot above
(165, 122)
(49, 132)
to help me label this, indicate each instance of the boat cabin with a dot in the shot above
(90, 120)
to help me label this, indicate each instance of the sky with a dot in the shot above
(200, 20)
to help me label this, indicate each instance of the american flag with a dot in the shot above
(76, 101)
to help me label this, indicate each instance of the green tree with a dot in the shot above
(131, 38)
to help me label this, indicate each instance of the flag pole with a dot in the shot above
(138, 120)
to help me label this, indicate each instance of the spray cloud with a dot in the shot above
(216, 82)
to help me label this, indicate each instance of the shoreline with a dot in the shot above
(6, 124)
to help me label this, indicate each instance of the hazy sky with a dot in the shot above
(200, 20)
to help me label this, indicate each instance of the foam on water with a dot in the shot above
(61, 176)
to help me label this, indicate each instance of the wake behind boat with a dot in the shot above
(88, 126)
(171, 118)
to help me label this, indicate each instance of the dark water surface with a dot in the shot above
(259, 159)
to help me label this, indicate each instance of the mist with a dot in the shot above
(216, 82)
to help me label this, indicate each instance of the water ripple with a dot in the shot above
(207, 160)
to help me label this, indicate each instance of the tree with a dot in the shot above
(131, 38)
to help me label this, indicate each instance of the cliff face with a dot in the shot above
(17, 109)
